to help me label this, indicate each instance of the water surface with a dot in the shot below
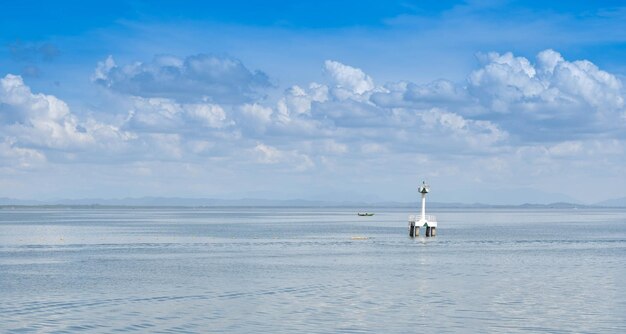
(286, 270)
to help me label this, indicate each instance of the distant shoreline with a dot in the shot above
(311, 205)
(260, 202)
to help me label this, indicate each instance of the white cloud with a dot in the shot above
(201, 146)
(333, 147)
(168, 146)
(479, 134)
(211, 115)
(554, 99)
(599, 89)
(297, 101)
(435, 92)
(266, 154)
(552, 89)
(256, 116)
(162, 114)
(45, 121)
(158, 114)
(218, 79)
(372, 148)
(547, 60)
(572, 110)
(102, 70)
(352, 79)
(503, 80)
(22, 158)
(566, 148)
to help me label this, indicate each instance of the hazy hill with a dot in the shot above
(616, 202)
(210, 202)
(13, 201)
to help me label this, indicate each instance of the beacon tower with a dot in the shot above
(429, 222)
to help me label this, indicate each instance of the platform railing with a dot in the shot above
(429, 218)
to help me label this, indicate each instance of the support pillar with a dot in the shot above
(428, 231)
(414, 231)
(433, 231)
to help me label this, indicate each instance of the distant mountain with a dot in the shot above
(616, 202)
(179, 201)
(211, 202)
(513, 196)
(13, 201)
(557, 205)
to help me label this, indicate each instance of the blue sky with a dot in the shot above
(490, 101)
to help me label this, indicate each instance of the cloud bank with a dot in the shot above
(198, 77)
(511, 116)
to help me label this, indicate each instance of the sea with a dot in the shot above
(311, 270)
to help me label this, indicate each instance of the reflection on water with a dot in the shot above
(288, 270)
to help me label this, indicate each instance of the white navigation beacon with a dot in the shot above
(429, 222)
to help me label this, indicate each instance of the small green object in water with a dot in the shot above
(366, 214)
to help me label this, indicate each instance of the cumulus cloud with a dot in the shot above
(297, 100)
(34, 125)
(373, 148)
(207, 107)
(553, 89)
(271, 155)
(333, 147)
(395, 117)
(506, 97)
(477, 133)
(201, 77)
(439, 91)
(256, 116)
(267, 154)
(547, 100)
(167, 145)
(23, 158)
(259, 120)
(101, 73)
(166, 115)
(210, 115)
(569, 161)
(348, 80)
(39, 119)
(566, 148)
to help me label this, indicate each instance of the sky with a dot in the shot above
(502, 102)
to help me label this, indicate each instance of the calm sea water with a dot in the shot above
(289, 270)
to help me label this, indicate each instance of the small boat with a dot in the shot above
(365, 214)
